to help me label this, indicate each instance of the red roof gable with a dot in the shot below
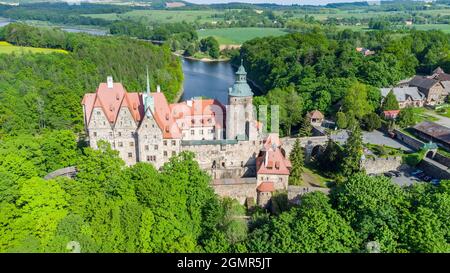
(111, 100)
(272, 161)
(266, 187)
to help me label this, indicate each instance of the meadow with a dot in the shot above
(164, 16)
(237, 36)
(8, 48)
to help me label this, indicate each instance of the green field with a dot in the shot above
(444, 27)
(8, 48)
(237, 36)
(164, 16)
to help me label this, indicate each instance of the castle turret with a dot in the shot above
(240, 117)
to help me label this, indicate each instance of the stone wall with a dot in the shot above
(442, 159)
(409, 140)
(381, 164)
(296, 192)
(434, 170)
(238, 188)
(308, 142)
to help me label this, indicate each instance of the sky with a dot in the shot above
(288, 2)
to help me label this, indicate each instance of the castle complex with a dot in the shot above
(228, 141)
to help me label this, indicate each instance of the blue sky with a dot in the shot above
(300, 2)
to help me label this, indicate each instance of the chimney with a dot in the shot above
(109, 81)
(158, 89)
(189, 103)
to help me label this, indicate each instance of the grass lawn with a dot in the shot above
(444, 27)
(444, 111)
(162, 16)
(8, 48)
(422, 115)
(311, 177)
(383, 151)
(237, 36)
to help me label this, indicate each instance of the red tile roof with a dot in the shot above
(163, 116)
(111, 100)
(272, 161)
(266, 187)
(316, 114)
(391, 113)
(211, 111)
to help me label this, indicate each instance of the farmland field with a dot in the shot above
(444, 27)
(162, 16)
(235, 36)
(8, 48)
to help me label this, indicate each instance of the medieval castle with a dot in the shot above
(228, 141)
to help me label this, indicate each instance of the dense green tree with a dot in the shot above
(305, 128)
(341, 120)
(353, 151)
(297, 160)
(356, 101)
(371, 121)
(211, 46)
(390, 102)
(407, 117)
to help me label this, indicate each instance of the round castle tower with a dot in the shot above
(240, 116)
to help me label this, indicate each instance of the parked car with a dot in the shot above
(420, 175)
(435, 181)
(387, 174)
(396, 173)
(426, 178)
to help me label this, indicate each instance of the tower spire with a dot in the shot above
(148, 83)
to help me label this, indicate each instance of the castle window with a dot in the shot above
(174, 142)
(165, 153)
(130, 155)
(192, 132)
(119, 134)
(201, 132)
(146, 147)
(98, 113)
(193, 121)
(153, 125)
(148, 158)
(210, 131)
(94, 133)
(120, 144)
(145, 126)
(131, 144)
(173, 153)
(156, 147)
(165, 142)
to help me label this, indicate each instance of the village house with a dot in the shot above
(433, 89)
(406, 96)
(420, 91)
(391, 114)
(316, 117)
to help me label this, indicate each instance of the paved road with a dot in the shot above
(444, 121)
(379, 138)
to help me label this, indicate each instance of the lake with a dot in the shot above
(207, 79)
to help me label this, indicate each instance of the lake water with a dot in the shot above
(207, 79)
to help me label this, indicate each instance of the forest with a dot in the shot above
(44, 91)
